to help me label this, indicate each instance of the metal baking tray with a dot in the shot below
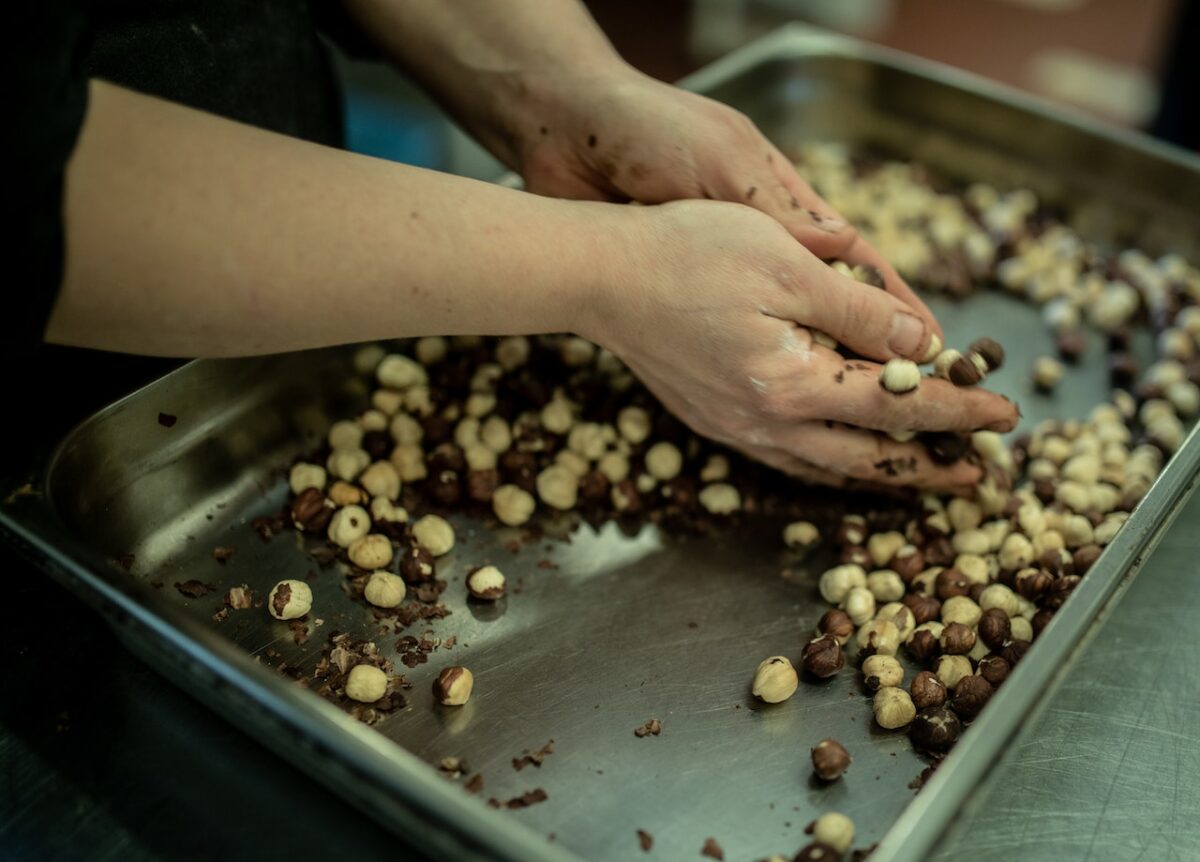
(626, 627)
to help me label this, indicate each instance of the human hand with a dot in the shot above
(716, 323)
(625, 136)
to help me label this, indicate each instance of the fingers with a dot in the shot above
(862, 252)
(869, 321)
(871, 457)
(853, 395)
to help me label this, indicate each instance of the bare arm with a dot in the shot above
(189, 235)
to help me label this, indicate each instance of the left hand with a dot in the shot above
(623, 136)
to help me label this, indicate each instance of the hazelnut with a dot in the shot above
(952, 668)
(1013, 651)
(859, 605)
(855, 555)
(908, 562)
(814, 851)
(715, 469)
(924, 645)
(883, 546)
(934, 349)
(373, 551)
(994, 669)
(367, 357)
(720, 499)
(345, 435)
(885, 585)
(1016, 552)
(495, 434)
(664, 461)
(345, 494)
(957, 639)
(384, 590)
(381, 479)
(366, 683)
(924, 608)
(347, 463)
(434, 534)
(927, 690)
(406, 430)
(970, 696)
(384, 511)
(1031, 583)
(386, 401)
(586, 439)
(994, 628)
(881, 671)
(348, 525)
(577, 352)
(480, 458)
(416, 565)
(409, 461)
(775, 680)
(951, 583)
(512, 352)
(485, 583)
(900, 376)
(964, 371)
(397, 371)
(900, 616)
(311, 512)
(852, 530)
(822, 657)
(453, 686)
(830, 759)
(558, 487)
(512, 505)
(634, 424)
(834, 829)
(1000, 596)
(990, 351)
(1020, 629)
(835, 583)
(837, 624)
(943, 362)
(893, 708)
(558, 416)
(289, 600)
(879, 636)
(1085, 557)
(935, 729)
(1047, 373)
(625, 497)
(431, 349)
(801, 534)
(960, 609)
(304, 476)
(613, 466)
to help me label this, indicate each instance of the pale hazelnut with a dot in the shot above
(1000, 596)
(345, 435)
(960, 609)
(900, 376)
(409, 461)
(453, 686)
(512, 505)
(664, 461)
(558, 487)
(372, 420)
(901, 615)
(345, 494)
(367, 358)
(304, 476)
(347, 463)
(495, 434)
(348, 525)
(835, 583)
(1020, 629)
(1047, 373)
(934, 349)
(512, 352)
(381, 479)
(485, 377)
(715, 469)
(400, 372)
(366, 683)
(883, 546)
(614, 466)
(479, 457)
(882, 636)
(720, 499)
(836, 830)
(384, 590)
(775, 680)
(486, 583)
(387, 401)
(944, 360)
(963, 514)
(893, 708)
(587, 440)
(881, 671)
(953, 668)
(859, 605)
(1016, 552)
(289, 600)
(431, 349)
(577, 352)
(558, 416)
(434, 534)
(372, 551)
(634, 424)
(885, 585)
(1077, 531)
(479, 404)
(801, 534)
(466, 433)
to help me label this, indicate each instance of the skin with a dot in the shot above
(230, 240)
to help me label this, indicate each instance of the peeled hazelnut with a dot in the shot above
(345, 435)
(852, 530)
(289, 600)
(347, 463)
(957, 639)
(893, 708)
(558, 416)
(345, 494)
(634, 424)
(434, 534)
(512, 505)
(900, 376)
(348, 525)
(837, 624)
(367, 357)
(994, 628)
(431, 349)
(384, 511)
(880, 671)
(366, 683)
(664, 461)
(453, 686)
(416, 565)
(512, 352)
(400, 372)
(558, 487)
(952, 668)
(613, 466)
(859, 605)
(716, 469)
(1047, 373)
(486, 583)
(801, 534)
(373, 551)
(900, 616)
(304, 476)
(384, 590)
(311, 512)
(960, 609)
(885, 585)
(381, 479)
(775, 680)
(409, 461)
(822, 657)
(830, 759)
(935, 728)
(1020, 629)
(835, 583)
(943, 362)
(927, 690)
(879, 636)
(883, 546)
(720, 499)
(833, 829)
(990, 351)
(970, 696)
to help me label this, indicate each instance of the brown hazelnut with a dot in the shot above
(855, 554)
(957, 639)
(923, 646)
(482, 484)
(951, 583)
(830, 759)
(822, 657)
(946, 447)
(416, 565)
(908, 562)
(520, 469)
(1085, 557)
(970, 696)
(453, 686)
(593, 487)
(994, 669)
(994, 628)
(1071, 344)
(1059, 591)
(817, 851)
(852, 530)
(940, 552)
(964, 372)
(1031, 583)
(311, 512)
(990, 350)
(1041, 619)
(927, 690)
(924, 608)
(837, 624)
(1013, 651)
(935, 729)
(975, 591)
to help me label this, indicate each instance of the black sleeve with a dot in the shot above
(48, 98)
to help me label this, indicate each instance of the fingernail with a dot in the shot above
(908, 331)
(829, 224)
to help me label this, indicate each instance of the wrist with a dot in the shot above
(616, 267)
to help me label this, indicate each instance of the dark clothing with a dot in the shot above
(261, 62)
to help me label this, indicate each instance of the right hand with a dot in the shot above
(716, 322)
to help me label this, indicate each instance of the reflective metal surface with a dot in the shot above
(608, 630)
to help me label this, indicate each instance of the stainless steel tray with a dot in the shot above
(626, 628)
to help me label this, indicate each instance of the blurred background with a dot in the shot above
(1123, 61)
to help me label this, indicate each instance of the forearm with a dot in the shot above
(501, 68)
(189, 235)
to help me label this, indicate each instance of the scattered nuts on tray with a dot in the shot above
(775, 680)
(830, 759)
(366, 683)
(834, 829)
(453, 686)
(485, 583)
(384, 590)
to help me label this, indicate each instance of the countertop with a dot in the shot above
(115, 763)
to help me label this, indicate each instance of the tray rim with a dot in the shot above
(31, 525)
